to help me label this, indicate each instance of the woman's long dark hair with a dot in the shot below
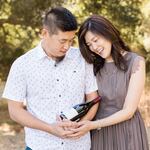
(103, 27)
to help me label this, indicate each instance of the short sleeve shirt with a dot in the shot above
(49, 88)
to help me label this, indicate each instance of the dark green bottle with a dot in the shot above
(78, 111)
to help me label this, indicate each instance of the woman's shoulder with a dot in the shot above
(132, 56)
(133, 60)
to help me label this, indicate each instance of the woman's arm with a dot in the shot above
(136, 85)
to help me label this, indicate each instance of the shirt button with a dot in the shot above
(57, 79)
(62, 143)
(59, 95)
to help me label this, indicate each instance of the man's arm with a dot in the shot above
(90, 90)
(23, 117)
(91, 113)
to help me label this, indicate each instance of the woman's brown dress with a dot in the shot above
(113, 86)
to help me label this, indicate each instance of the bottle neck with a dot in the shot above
(96, 100)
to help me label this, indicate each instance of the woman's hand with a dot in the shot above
(83, 127)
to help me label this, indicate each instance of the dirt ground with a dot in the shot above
(12, 140)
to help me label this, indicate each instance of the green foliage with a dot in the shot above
(145, 30)
(125, 14)
(29, 12)
(20, 23)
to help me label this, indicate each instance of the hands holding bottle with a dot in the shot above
(73, 130)
(83, 127)
(67, 127)
(62, 129)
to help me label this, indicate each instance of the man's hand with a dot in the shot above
(63, 129)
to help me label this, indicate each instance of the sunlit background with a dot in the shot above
(20, 25)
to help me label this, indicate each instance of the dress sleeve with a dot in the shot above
(90, 79)
(15, 88)
(136, 64)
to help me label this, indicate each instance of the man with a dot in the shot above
(51, 77)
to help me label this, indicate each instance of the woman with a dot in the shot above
(120, 77)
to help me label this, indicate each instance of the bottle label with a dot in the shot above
(70, 113)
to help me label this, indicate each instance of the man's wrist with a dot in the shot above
(49, 128)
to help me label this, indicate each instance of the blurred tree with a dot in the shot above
(131, 17)
(20, 22)
(145, 30)
(125, 14)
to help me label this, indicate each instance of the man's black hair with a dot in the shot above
(59, 18)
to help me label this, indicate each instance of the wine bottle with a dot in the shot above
(76, 112)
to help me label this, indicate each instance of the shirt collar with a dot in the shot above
(41, 53)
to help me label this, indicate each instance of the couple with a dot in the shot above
(54, 76)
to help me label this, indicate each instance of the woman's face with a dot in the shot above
(99, 45)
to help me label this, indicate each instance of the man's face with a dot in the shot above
(56, 45)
